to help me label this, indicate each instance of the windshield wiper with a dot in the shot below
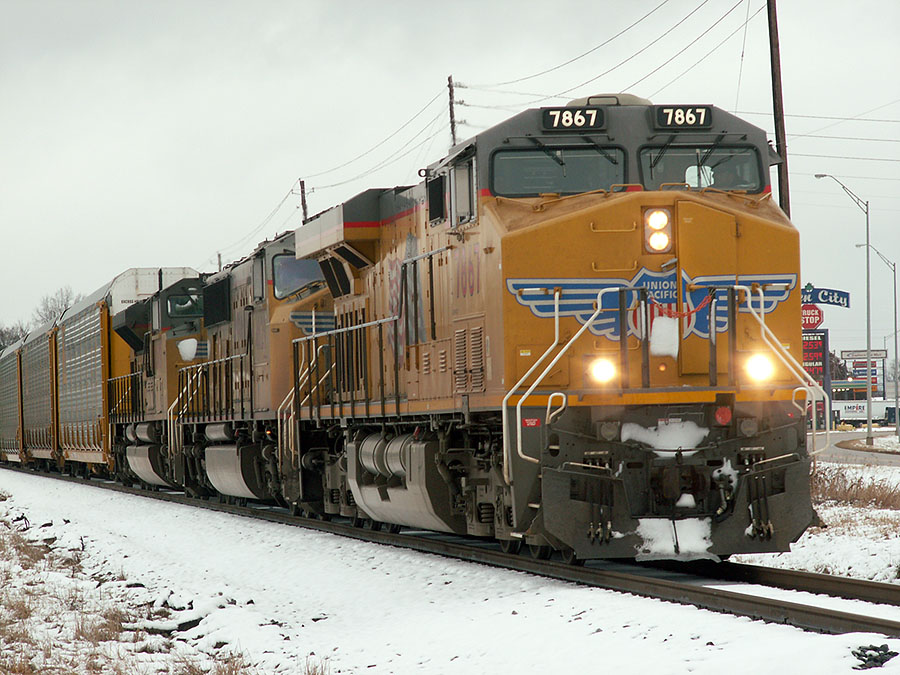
(712, 148)
(662, 151)
(547, 151)
(599, 148)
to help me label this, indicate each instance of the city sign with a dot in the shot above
(811, 317)
(824, 296)
(848, 354)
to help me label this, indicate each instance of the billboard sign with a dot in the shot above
(849, 354)
(816, 360)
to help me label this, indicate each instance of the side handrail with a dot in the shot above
(504, 411)
(285, 413)
(173, 429)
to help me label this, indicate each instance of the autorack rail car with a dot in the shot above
(53, 383)
(580, 332)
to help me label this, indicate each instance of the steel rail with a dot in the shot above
(791, 580)
(638, 582)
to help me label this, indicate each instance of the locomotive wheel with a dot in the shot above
(511, 546)
(357, 521)
(540, 552)
(393, 528)
(373, 525)
(570, 558)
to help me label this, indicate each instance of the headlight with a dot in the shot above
(659, 241)
(760, 367)
(657, 219)
(657, 230)
(602, 370)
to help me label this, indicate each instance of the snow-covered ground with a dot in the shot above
(287, 599)
(882, 443)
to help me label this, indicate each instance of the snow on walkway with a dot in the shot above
(279, 594)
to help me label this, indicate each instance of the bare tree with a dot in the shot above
(838, 368)
(52, 305)
(11, 333)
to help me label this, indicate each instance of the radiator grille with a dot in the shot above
(460, 360)
(476, 357)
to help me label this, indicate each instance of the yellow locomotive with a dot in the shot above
(579, 332)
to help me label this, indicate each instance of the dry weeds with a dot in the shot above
(316, 667)
(226, 664)
(838, 485)
(87, 634)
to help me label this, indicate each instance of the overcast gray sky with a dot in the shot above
(158, 133)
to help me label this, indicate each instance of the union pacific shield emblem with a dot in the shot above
(578, 298)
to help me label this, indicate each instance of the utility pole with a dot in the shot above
(220, 261)
(303, 198)
(784, 193)
(452, 110)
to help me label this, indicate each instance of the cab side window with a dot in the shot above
(463, 192)
(437, 207)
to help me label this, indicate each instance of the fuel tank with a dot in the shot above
(400, 480)
(147, 463)
(235, 471)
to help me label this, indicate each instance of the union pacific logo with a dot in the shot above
(579, 295)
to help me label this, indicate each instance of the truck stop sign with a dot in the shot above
(811, 316)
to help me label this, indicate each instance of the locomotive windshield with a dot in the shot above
(700, 166)
(556, 170)
(291, 275)
(188, 305)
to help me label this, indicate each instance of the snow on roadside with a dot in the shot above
(60, 613)
(279, 594)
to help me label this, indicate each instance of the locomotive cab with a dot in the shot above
(157, 329)
(229, 401)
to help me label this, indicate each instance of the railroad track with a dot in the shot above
(685, 583)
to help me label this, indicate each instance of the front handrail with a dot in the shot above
(796, 369)
(559, 355)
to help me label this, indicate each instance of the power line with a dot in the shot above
(800, 173)
(258, 228)
(380, 143)
(387, 161)
(865, 112)
(708, 54)
(826, 117)
(686, 47)
(462, 85)
(842, 206)
(737, 94)
(561, 94)
(640, 51)
(864, 159)
(848, 138)
(580, 56)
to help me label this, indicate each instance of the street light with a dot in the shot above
(893, 268)
(864, 207)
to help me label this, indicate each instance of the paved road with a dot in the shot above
(835, 454)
